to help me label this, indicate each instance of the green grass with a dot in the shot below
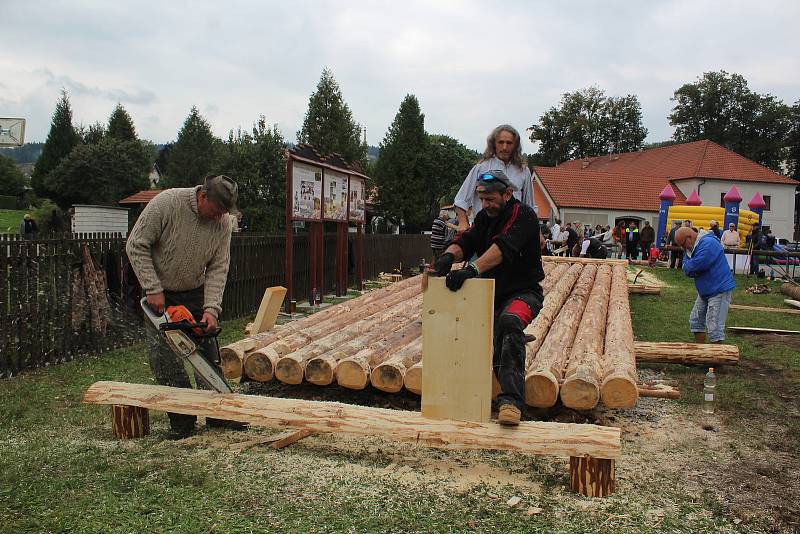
(9, 221)
(61, 470)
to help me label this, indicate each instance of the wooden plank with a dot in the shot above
(457, 350)
(638, 289)
(763, 309)
(268, 310)
(530, 437)
(790, 302)
(754, 330)
(294, 437)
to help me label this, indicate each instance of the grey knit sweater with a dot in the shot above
(172, 248)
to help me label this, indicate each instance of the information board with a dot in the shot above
(306, 192)
(358, 202)
(335, 196)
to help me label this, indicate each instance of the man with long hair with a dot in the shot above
(504, 153)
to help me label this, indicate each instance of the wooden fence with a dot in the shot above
(42, 319)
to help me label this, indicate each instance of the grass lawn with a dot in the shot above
(61, 470)
(9, 221)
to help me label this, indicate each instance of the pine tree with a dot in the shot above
(194, 154)
(12, 181)
(329, 126)
(120, 125)
(60, 142)
(400, 172)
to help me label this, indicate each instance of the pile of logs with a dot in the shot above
(582, 352)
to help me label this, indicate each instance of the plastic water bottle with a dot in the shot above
(709, 391)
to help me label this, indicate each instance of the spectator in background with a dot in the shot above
(597, 230)
(632, 241)
(439, 235)
(730, 237)
(572, 238)
(715, 228)
(28, 228)
(555, 230)
(675, 257)
(754, 240)
(646, 238)
(618, 236)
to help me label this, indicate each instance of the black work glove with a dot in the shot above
(444, 264)
(456, 279)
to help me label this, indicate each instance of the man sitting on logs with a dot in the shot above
(704, 260)
(505, 238)
(179, 249)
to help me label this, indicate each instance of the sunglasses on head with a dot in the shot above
(487, 177)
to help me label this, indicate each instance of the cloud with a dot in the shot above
(78, 89)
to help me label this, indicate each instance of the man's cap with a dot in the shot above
(223, 191)
(495, 180)
(27, 216)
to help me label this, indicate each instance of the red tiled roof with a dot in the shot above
(603, 190)
(142, 197)
(701, 159)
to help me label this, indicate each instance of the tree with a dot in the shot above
(93, 134)
(329, 126)
(99, 174)
(721, 107)
(12, 181)
(194, 154)
(256, 161)
(403, 188)
(588, 123)
(793, 143)
(120, 125)
(61, 139)
(446, 162)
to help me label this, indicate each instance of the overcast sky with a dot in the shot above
(472, 65)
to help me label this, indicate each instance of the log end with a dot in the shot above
(231, 361)
(388, 377)
(541, 389)
(579, 393)
(289, 371)
(352, 375)
(260, 364)
(413, 380)
(319, 370)
(619, 391)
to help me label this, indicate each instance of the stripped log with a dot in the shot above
(581, 387)
(353, 372)
(232, 355)
(547, 366)
(705, 354)
(638, 289)
(389, 376)
(792, 290)
(583, 261)
(290, 368)
(554, 276)
(530, 437)
(413, 378)
(618, 389)
(658, 391)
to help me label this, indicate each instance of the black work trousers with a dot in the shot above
(512, 316)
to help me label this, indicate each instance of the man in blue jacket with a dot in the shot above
(704, 260)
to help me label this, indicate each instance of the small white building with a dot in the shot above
(87, 219)
(623, 187)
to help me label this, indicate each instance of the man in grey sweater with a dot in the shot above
(180, 251)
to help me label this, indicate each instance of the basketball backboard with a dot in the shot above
(12, 132)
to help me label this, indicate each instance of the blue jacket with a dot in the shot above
(708, 267)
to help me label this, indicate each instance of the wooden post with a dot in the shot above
(128, 422)
(288, 254)
(592, 477)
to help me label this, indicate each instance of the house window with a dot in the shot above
(767, 202)
(722, 200)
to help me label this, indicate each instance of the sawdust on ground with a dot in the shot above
(646, 277)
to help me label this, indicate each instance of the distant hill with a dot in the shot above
(27, 153)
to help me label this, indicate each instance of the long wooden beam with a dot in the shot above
(764, 309)
(530, 437)
(638, 289)
(686, 353)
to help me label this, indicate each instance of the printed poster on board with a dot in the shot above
(335, 196)
(358, 203)
(306, 192)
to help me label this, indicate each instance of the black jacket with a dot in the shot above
(516, 232)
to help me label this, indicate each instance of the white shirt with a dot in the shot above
(520, 177)
(555, 231)
(730, 239)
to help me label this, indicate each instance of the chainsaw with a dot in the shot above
(178, 327)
